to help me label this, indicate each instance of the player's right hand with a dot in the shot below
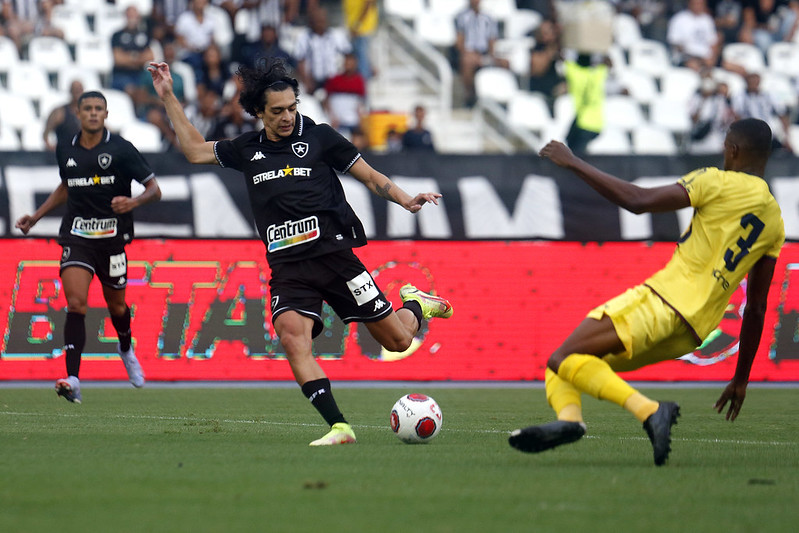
(25, 223)
(557, 152)
(162, 78)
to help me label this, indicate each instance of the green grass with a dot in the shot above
(227, 460)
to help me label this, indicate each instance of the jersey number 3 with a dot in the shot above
(731, 259)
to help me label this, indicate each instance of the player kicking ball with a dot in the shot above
(736, 229)
(307, 226)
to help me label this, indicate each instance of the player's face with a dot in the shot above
(280, 113)
(92, 114)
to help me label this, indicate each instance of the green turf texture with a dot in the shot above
(229, 460)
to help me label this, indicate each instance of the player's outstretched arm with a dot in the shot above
(192, 143)
(56, 198)
(622, 193)
(751, 330)
(383, 187)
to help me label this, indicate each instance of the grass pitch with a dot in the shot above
(228, 460)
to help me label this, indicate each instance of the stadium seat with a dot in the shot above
(50, 101)
(447, 7)
(312, 108)
(51, 53)
(780, 87)
(9, 139)
(530, 111)
(563, 111)
(90, 7)
(610, 141)
(95, 53)
(404, 9)
(223, 29)
(653, 140)
(623, 113)
(29, 80)
(671, 115)
(437, 29)
(522, 24)
(649, 56)
(32, 140)
(189, 82)
(783, 57)
(16, 111)
(9, 54)
(640, 85)
(495, 83)
(71, 72)
(747, 56)
(516, 52)
(108, 20)
(145, 6)
(144, 136)
(501, 10)
(71, 20)
(793, 136)
(120, 109)
(679, 83)
(626, 30)
(617, 57)
(734, 81)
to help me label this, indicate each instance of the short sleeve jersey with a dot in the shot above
(736, 222)
(93, 177)
(295, 193)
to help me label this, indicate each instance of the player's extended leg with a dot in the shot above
(76, 281)
(120, 318)
(295, 332)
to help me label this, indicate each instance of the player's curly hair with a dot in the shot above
(271, 74)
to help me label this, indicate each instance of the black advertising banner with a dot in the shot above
(492, 197)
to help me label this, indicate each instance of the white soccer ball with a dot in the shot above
(416, 418)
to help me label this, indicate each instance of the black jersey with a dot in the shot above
(296, 196)
(93, 178)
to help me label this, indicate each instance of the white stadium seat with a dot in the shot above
(623, 113)
(108, 20)
(404, 9)
(522, 24)
(9, 55)
(68, 73)
(671, 115)
(32, 140)
(783, 57)
(28, 79)
(747, 56)
(447, 7)
(495, 83)
(649, 56)
(120, 109)
(626, 30)
(144, 136)
(9, 140)
(16, 110)
(72, 21)
(51, 53)
(437, 29)
(610, 141)
(653, 140)
(530, 111)
(95, 53)
(639, 85)
(679, 83)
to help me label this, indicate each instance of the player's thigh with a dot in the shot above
(75, 281)
(593, 337)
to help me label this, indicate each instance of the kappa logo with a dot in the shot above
(379, 304)
(299, 149)
(121, 281)
(104, 160)
(258, 155)
(71, 163)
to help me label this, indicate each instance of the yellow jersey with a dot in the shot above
(361, 16)
(736, 221)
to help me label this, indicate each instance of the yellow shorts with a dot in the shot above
(650, 330)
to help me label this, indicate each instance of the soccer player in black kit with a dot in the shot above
(307, 225)
(97, 168)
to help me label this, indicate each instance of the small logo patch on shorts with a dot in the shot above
(363, 288)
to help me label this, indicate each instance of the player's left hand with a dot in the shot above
(735, 393)
(122, 204)
(420, 199)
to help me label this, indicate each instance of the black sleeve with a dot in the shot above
(228, 154)
(133, 164)
(337, 151)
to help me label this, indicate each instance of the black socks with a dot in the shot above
(318, 391)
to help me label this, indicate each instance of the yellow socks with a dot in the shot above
(563, 397)
(593, 376)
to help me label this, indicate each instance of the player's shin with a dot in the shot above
(563, 397)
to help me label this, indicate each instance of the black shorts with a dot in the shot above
(109, 264)
(339, 278)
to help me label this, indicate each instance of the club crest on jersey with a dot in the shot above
(299, 148)
(104, 160)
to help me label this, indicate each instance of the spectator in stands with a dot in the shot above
(63, 121)
(767, 21)
(711, 116)
(19, 20)
(148, 104)
(345, 99)
(361, 19)
(544, 59)
(203, 114)
(298, 12)
(693, 37)
(44, 22)
(727, 15)
(319, 51)
(393, 141)
(132, 52)
(268, 46)
(257, 14)
(754, 103)
(651, 15)
(476, 34)
(233, 120)
(215, 71)
(586, 77)
(164, 16)
(418, 137)
(194, 32)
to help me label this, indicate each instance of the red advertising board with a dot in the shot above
(201, 312)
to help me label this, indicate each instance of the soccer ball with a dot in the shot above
(416, 418)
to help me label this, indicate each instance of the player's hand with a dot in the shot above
(122, 204)
(25, 223)
(162, 78)
(420, 199)
(734, 393)
(558, 153)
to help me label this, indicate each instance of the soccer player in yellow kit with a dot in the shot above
(736, 229)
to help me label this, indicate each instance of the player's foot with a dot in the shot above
(658, 427)
(340, 433)
(536, 439)
(432, 306)
(135, 373)
(69, 388)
